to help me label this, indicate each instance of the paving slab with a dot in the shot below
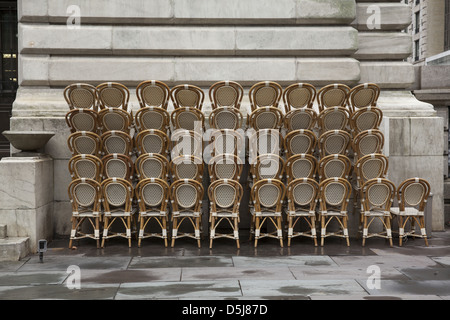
(368, 297)
(6, 266)
(409, 287)
(180, 261)
(341, 273)
(445, 261)
(312, 261)
(31, 278)
(83, 262)
(300, 287)
(236, 273)
(427, 273)
(130, 275)
(188, 289)
(58, 292)
(385, 261)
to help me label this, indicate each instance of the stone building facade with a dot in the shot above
(204, 41)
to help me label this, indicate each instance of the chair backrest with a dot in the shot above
(266, 118)
(153, 93)
(152, 194)
(186, 142)
(267, 166)
(85, 142)
(152, 141)
(334, 194)
(226, 94)
(227, 141)
(300, 141)
(413, 192)
(225, 194)
(113, 95)
(363, 95)
(299, 96)
(365, 118)
(186, 195)
(334, 165)
(186, 167)
(371, 166)
(85, 195)
(188, 118)
(265, 141)
(225, 166)
(115, 119)
(377, 194)
(265, 94)
(334, 142)
(117, 142)
(81, 96)
(85, 166)
(332, 95)
(268, 194)
(152, 165)
(296, 119)
(82, 120)
(368, 142)
(187, 95)
(333, 118)
(117, 195)
(152, 118)
(302, 193)
(116, 165)
(225, 118)
(300, 166)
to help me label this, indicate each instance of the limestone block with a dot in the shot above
(32, 10)
(383, 46)
(33, 70)
(391, 16)
(427, 136)
(61, 180)
(388, 75)
(326, 11)
(397, 134)
(323, 71)
(40, 39)
(435, 77)
(402, 103)
(38, 102)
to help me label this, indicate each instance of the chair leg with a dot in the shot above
(344, 222)
(141, 230)
(236, 231)
(422, 229)
(73, 232)
(388, 230)
(365, 230)
(280, 231)
(290, 231)
(313, 230)
(105, 230)
(129, 231)
(256, 231)
(174, 231)
(212, 231)
(164, 231)
(322, 231)
(400, 230)
(97, 231)
(197, 231)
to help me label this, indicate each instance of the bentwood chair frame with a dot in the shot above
(81, 96)
(153, 93)
(85, 196)
(412, 196)
(377, 196)
(116, 165)
(115, 119)
(334, 118)
(153, 196)
(334, 165)
(113, 95)
(227, 141)
(302, 197)
(365, 118)
(332, 95)
(334, 194)
(226, 118)
(265, 94)
(152, 165)
(85, 142)
(225, 198)
(117, 142)
(266, 118)
(186, 142)
(82, 120)
(299, 142)
(267, 207)
(301, 166)
(368, 142)
(186, 199)
(227, 94)
(264, 141)
(186, 167)
(118, 206)
(187, 95)
(299, 96)
(267, 166)
(152, 141)
(225, 166)
(334, 142)
(296, 119)
(152, 118)
(86, 166)
(188, 118)
(363, 95)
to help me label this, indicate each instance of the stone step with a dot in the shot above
(14, 248)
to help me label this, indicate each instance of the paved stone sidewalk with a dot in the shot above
(186, 272)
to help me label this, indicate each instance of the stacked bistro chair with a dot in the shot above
(333, 95)
(226, 98)
(363, 95)
(264, 99)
